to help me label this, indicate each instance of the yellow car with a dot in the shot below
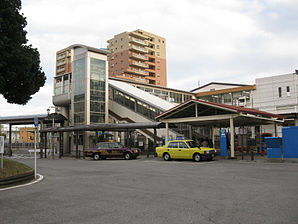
(185, 149)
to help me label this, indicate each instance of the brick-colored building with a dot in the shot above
(27, 135)
(139, 56)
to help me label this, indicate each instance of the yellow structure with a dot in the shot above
(27, 135)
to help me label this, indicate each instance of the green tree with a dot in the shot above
(20, 73)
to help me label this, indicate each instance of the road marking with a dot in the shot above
(40, 178)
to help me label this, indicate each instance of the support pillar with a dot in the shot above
(213, 137)
(77, 144)
(9, 141)
(84, 141)
(41, 144)
(275, 129)
(60, 145)
(45, 144)
(232, 134)
(154, 144)
(167, 132)
(190, 131)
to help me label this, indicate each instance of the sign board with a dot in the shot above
(36, 122)
(223, 143)
(2, 144)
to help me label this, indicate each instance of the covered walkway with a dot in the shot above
(214, 115)
(121, 127)
(43, 119)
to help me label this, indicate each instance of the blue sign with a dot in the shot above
(36, 122)
(223, 143)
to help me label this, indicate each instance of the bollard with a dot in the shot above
(252, 154)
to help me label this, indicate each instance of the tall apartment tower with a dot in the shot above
(139, 56)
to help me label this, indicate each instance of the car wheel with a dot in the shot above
(96, 156)
(127, 156)
(196, 157)
(166, 157)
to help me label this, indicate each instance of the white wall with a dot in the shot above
(266, 96)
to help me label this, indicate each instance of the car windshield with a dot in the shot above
(192, 144)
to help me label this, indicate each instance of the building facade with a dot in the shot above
(138, 56)
(80, 84)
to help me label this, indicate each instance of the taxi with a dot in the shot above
(185, 149)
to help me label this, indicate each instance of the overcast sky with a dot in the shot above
(233, 41)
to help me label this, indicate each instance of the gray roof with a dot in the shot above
(93, 49)
(29, 119)
(107, 127)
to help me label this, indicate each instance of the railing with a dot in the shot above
(139, 41)
(140, 48)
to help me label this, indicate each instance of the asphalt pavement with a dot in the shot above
(155, 191)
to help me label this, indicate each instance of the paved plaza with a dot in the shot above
(155, 191)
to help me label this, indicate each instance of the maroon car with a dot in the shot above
(105, 150)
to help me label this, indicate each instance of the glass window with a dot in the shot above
(173, 145)
(97, 90)
(182, 145)
(103, 146)
(279, 92)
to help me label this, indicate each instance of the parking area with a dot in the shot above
(154, 191)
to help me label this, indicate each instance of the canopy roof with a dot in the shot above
(203, 113)
(107, 127)
(29, 119)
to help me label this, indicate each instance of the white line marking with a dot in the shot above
(23, 185)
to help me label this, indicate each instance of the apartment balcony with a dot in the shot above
(141, 80)
(138, 35)
(151, 63)
(137, 71)
(61, 56)
(61, 63)
(138, 56)
(139, 49)
(139, 64)
(138, 41)
(61, 69)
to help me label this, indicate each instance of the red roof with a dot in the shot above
(236, 108)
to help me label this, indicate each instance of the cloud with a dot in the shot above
(37, 105)
(207, 40)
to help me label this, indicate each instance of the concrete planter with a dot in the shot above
(17, 179)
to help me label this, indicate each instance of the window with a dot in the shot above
(279, 92)
(158, 54)
(159, 40)
(173, 145)
(157, 46)
(158, 60)
(182, 145)
(288, 91)
(103, 146)
(158, 67)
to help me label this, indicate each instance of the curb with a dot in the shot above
(40, 178)
(17, 179)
